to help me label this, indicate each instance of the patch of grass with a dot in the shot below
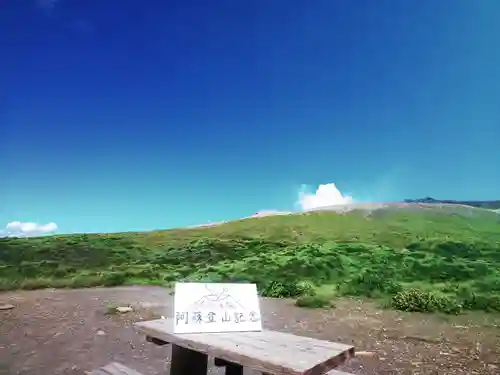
(427, 260)
(315, 301)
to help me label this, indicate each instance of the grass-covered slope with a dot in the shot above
(490, 205)
(419, 260)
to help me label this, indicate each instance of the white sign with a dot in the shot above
(213, 307)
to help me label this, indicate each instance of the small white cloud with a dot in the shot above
(27, 229)
(324, 196)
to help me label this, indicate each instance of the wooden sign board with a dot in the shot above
(216, 307)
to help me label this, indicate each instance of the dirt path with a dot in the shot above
(67, 331)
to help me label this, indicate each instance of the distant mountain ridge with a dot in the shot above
(491, 205)
(427, 203)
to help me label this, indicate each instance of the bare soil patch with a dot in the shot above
(54, 332)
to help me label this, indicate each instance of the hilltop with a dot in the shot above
(413, 256)
(427, 204)
(491, 205)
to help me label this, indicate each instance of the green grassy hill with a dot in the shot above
(414, 260)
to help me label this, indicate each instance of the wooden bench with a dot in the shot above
(270, 352)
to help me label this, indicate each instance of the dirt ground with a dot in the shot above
(54, 332)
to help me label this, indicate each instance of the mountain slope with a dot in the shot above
(422, 257)
(492, 205)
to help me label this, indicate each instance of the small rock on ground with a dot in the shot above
(124, 309)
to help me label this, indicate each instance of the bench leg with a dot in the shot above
(187, 362)
(231, 368)
(234, 369)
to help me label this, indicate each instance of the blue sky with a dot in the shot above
(134, 115)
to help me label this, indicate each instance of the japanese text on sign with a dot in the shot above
(197, 317)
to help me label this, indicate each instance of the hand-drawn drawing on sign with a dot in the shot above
(218, 298)
(211, 307)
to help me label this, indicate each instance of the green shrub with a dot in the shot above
(38, 283)
(414, 300)
(288, 289)
(64, 271)
(481, 302)
(276, 289)
(114, 278)
(9, 284)
(306, 288)
(315, 301)
(372, 283)
(85, 281)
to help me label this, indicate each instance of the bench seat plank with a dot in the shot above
(266, 351)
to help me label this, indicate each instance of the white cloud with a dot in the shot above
(324, 196)
(27, 229)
